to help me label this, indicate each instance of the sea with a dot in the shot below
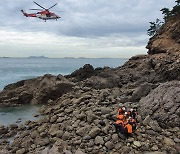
(16, 69)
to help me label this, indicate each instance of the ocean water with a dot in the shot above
(16, 69)
(12, 115)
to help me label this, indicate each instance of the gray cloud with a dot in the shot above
(97, 24)
(88, 18)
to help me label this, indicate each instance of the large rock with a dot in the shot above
(162, 105)
(85, 72)
(141, 91)
(35, 91)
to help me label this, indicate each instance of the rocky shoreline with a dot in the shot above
(79, 109)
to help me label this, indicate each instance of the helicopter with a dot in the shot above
(44, 13)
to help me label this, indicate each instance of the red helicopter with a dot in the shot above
(44, 13)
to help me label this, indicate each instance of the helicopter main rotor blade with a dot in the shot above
(36, 9)
(39, 5)
(52, 6)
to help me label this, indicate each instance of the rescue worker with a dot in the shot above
(121, 111)
(133, 123)
(132, 113)
(126, 122)
(119, 125)
(128, 127)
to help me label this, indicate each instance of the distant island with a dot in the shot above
(37, 57)
(4, 57)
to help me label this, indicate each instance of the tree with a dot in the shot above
(175, 10)
(178, 2)
(154, 27)
(166, 13)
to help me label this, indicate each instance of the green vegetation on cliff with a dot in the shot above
(168, 15)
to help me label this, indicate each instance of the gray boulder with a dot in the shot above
(162, 105)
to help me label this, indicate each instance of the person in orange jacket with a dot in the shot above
(119, 125)
(126, 121)
(128, 127)
(121, 111)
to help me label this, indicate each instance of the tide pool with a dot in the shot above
(12, 115)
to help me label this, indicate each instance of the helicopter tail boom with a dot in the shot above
(24, 13)
(28, 15)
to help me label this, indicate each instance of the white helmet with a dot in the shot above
(123, 108)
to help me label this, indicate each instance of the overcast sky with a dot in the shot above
(87, 28)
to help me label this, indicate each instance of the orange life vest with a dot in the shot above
(129, 128)
(121, 116)
(119, 122)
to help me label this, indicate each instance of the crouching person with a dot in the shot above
(130, 126)
(119, 125)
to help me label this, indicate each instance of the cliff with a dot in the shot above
(167, 40)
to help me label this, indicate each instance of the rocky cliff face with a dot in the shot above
(167, 40)
(80, 108)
